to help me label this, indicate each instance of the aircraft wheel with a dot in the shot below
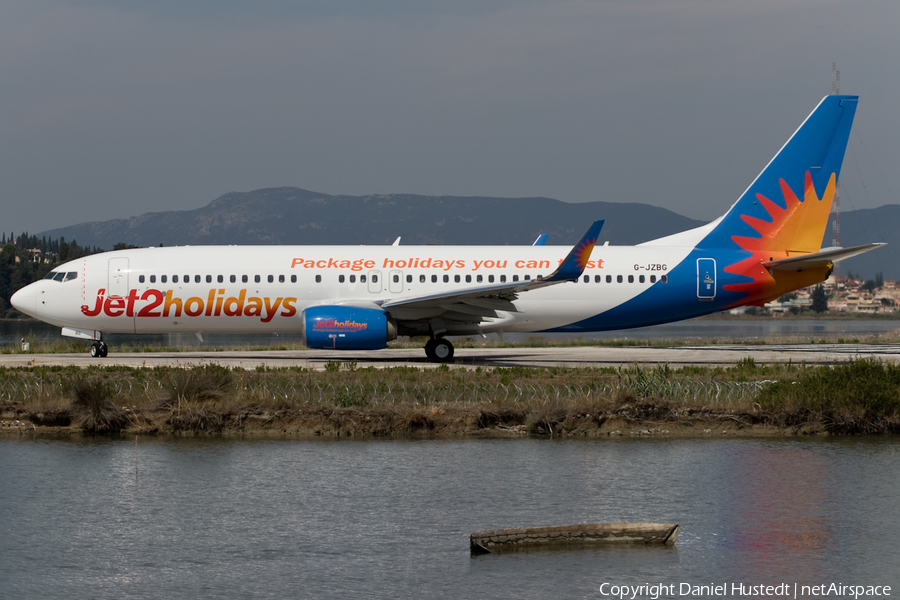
(104, 350)
(429, 349)
(443, 350)
(95, 350)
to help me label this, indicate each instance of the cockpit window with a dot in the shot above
(59, 276)
(50, 275)
(71, 275)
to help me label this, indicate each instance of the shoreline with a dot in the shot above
(424, 422)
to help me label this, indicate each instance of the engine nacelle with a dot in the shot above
(346, 328)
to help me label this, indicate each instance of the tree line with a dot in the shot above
(27, 258)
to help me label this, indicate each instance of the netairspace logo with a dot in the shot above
(712, 590)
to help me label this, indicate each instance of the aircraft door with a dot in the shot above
(118, 277)
(374, 282)
(706, 278)
(395, 282)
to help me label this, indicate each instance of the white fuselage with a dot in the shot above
(265, 288)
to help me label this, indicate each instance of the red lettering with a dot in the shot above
(296, 261)
(132, 296)
(147, 311)
(98, 306)
(114, 306)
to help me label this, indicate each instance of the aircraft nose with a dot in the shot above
(24, 300)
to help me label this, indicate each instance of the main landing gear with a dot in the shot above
(99, 349)
(439, 350)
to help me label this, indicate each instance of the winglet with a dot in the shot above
(573, 265)
(541, 240)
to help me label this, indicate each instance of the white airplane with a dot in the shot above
(361, 297)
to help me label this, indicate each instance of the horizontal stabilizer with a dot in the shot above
(818, 259)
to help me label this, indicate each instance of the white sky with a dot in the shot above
(114, 108)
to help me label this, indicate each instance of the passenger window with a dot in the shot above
(353, 279)
(396, 278)
(490, 279)
(528, 278)
(503, 279)
(653, 279)
(479, 278)
(515, 277)
(163, 278)
(409, 279)
(468, 279)
(434, 279)
(340, 279)
(422, 278)
(374, 278)
(456, 278)
(446, 278)
(244, 279)
(153, 279)
(641, 278)
(174, 278)
(281, 279)
(618, 279)
(209, 279)
(233, 279)
(293, 279)
(256, 278)
(664, 279)
(597, 279)
(270, 279)
(362, 278)
(318, 279)
(220, 278)
(631, 279)
(141, 279)
(587, 278)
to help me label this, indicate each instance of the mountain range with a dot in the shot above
(288, 215)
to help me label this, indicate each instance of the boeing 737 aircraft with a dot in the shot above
(360, 297)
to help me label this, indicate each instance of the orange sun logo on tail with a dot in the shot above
(794, 230)
(583, 252)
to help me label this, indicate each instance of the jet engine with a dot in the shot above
(346, 328)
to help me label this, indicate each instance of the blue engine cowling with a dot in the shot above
(346, 328)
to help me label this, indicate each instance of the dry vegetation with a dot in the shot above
(857, 397)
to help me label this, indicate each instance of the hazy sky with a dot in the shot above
(113, 108)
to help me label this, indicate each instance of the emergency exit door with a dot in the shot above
(706, 278)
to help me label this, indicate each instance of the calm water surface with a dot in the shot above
(384, 519)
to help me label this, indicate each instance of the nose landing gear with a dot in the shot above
(439, 350)
(99, 349)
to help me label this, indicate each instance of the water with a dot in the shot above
(12, 331)
(209, 518)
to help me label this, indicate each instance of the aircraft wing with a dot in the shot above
(472, 305)
(824, 258)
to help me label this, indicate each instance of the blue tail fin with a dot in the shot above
(786, 207)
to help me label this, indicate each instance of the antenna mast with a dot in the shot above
(836, 205)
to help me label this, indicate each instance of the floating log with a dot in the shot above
(518, 538)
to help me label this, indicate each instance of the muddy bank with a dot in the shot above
(420, 422)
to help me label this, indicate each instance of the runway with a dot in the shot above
(572, 357)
